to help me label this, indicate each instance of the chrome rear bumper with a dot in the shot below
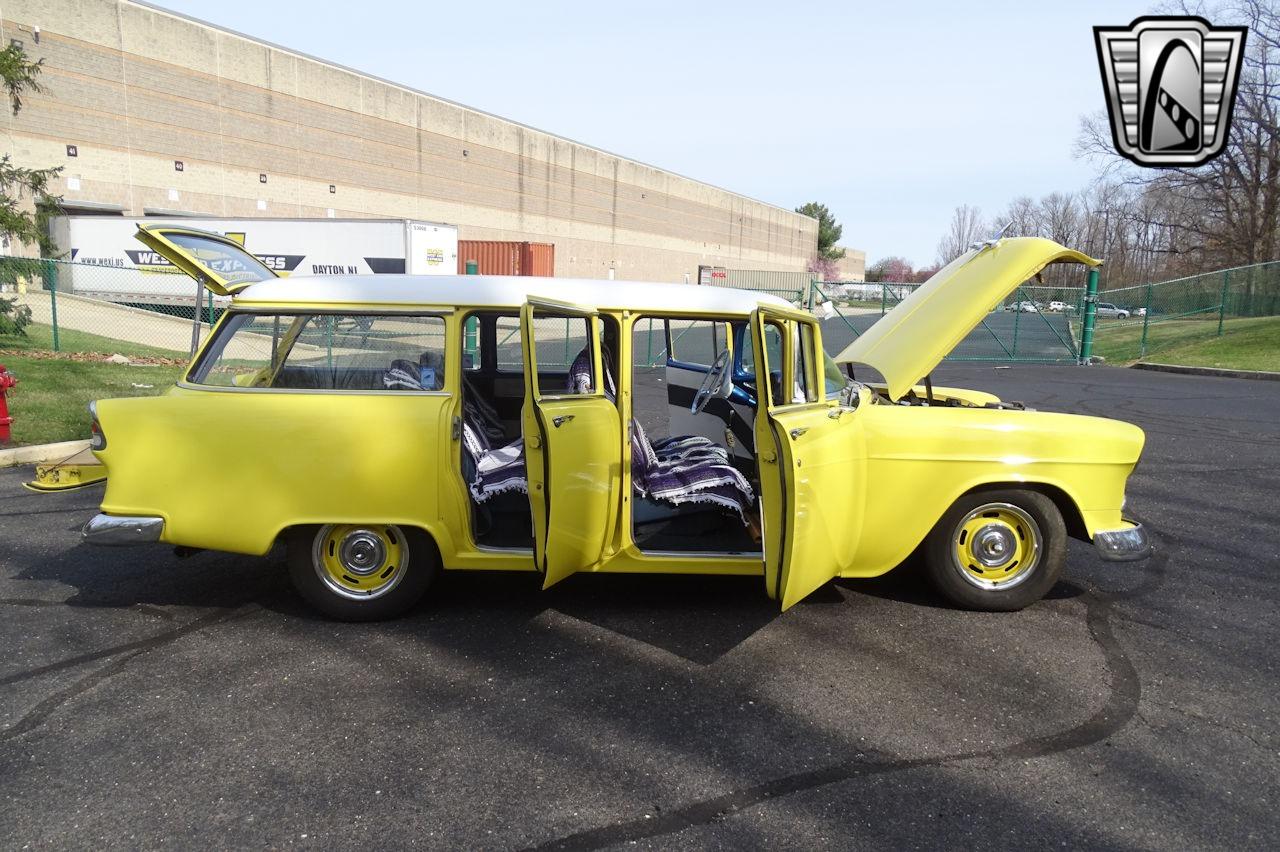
(117, 530)
(1123, 545)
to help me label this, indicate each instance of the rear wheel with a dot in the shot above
(361, 572)
(997, 551)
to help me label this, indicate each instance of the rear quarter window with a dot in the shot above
(363, 352)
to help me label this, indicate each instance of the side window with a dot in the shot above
(233, 265)
(696, 342)
(510, 353)
(563, 355)
(327, 352)
(833, 380)
(773, 349)
(471, 331)
(805, 389)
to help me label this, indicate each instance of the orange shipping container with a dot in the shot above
(499, 257)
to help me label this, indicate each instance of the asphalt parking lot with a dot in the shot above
(150, 701)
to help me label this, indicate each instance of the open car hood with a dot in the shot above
(909, 341)
(224, 265)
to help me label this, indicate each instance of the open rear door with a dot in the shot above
(224, 265)
(573, 443)
(812, 459)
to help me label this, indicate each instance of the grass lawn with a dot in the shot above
(1246, 344)
(51, 399)
(70, 340)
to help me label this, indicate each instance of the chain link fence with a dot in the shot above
(80, 308)
(1139, 321)
(1036, 324)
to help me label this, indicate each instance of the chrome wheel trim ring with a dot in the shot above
(317, 563)
(1024, 571)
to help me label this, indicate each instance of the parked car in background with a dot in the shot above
(1057, 307)
(1140, 312)
(1027, 307)
(1107, 309)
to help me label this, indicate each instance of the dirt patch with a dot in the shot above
(93, 357)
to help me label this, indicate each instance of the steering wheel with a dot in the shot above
(712, 383)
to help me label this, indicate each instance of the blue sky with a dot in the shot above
(890, 113)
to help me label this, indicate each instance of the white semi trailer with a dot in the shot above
(107, 260)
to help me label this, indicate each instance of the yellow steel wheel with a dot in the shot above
(360, 561)
(996, 546)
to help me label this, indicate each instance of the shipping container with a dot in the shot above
(502, 257)
(287, 246)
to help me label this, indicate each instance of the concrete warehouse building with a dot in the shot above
(153, 113)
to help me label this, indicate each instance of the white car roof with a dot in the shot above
(496, 291)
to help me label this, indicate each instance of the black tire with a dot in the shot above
(1002, 520)
(344, 601)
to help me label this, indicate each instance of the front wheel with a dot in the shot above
(361, 572)
(997, 551)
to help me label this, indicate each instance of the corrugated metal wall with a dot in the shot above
(499, 257)
(789, 285)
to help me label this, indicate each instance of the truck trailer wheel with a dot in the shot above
(997, 551)
(361, 572)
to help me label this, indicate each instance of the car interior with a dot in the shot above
(694, 485)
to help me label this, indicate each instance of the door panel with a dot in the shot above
(573, 445)
(812, 461)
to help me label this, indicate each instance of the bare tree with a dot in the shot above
(966, 228)
(1226, 212)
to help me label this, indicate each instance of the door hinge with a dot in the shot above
(456, 431)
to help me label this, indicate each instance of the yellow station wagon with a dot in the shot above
(388, 427)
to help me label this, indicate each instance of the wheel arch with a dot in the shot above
(1067, 507)
(287, 531)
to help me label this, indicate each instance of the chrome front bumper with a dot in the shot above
(1123, 545)
(118, 530)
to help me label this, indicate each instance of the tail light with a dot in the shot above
(97, 440)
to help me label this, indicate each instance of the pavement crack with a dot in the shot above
(1117, 711)
(139, 645)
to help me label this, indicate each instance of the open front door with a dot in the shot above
(812, 459)
(573, 443)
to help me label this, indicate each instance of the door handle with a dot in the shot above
(798, 431)
(561, 420)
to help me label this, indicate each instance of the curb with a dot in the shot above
(38, 453)
(1209, 371)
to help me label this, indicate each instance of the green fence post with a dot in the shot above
(809, 301)
(1017, 312)
(471, 329)
(648, 362)
(883, 293)
(51, 284)
(1146, 321)
(1090, 317)
(1222, 308)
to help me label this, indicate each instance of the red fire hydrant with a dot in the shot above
(7, 380)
